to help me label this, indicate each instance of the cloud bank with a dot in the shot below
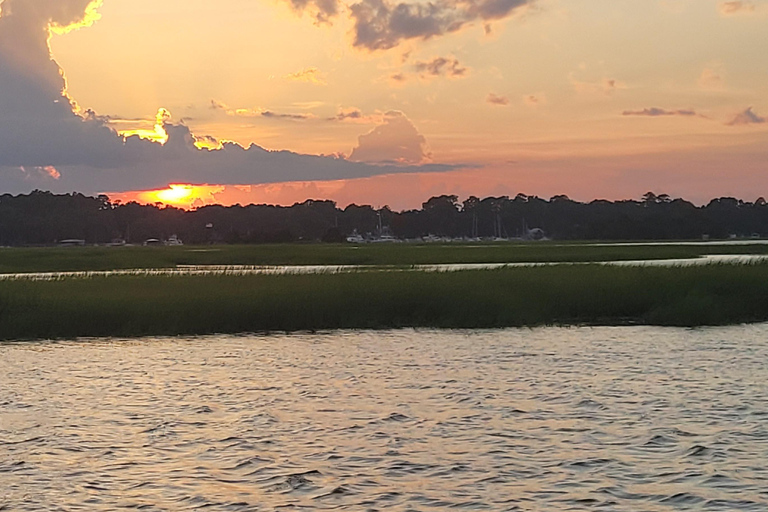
(47, 141)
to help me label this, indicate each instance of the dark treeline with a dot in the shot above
(43, 218)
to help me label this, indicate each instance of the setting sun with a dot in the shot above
(175, 194)
(178, 195)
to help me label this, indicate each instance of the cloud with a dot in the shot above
(396, 141)
(398, 77)
(258, 112)
(440, 66)
(59, 16)
(48, 171)
(309, 75)
(354, 115)
(711, 77)
(535, 100)
(609, 85)
(43, 130)
(207, 142)
(39, 124)
(494, 99)
(606, 86)
(660, 112)
(381, 24)
(736, 7)
(322, 10)
(343, 115)
(277, 115)
(746, 118)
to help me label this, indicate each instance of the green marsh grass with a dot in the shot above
(128, 306)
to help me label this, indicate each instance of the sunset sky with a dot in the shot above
(372, 101)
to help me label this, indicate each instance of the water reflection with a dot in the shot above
(243, 270)
(620, 419)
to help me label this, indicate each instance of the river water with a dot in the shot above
(245, 270)
(551, 419)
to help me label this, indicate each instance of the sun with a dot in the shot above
(175, 194)
(179, 195)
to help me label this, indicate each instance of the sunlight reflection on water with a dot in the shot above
(621, 419)
(243, 270)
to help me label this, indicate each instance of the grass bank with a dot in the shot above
(564, 295)
(50, 259)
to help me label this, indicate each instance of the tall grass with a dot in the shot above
(109, 258)
(566, 295)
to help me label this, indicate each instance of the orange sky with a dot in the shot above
(589, 98)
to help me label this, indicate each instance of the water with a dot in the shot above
(580, 419)
(243, 270)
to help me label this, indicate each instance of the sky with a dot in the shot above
(383, 103)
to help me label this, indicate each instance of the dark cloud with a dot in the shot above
(180, 161)
(352, 114)
(441, 66)
(381, 24)
(494, 99)
(659, 112)
(277, 115)
(47, 142)
(56, 14)
(747, 117)
(322, 10)
(38, 121)
(257, 112)
(395, 141)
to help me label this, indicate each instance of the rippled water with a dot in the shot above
(580, 419)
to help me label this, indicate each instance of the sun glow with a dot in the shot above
(175, 194)
(157, 133)
(91, 16)
(179, 195)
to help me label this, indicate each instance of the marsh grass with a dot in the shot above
(128, 306)
(46, 259)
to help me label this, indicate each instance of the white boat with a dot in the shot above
(173, 240)
(355, 238)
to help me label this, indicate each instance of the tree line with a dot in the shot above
(44, 218)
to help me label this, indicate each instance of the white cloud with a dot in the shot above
(396, 140)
